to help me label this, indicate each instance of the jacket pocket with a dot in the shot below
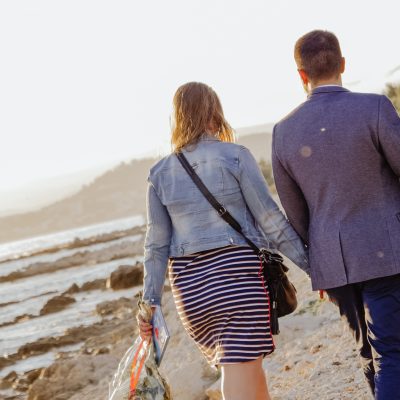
(367, 249)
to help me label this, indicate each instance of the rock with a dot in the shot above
(74, 288)
(19, 318)
(126, 276)
(31, 376)
(24, 317)
(56, 304)
(102, 350)
(8, 380)
(21, 385)
(112, 306)
(94, 285)
(62, 379)
(109, 331)
(41, 346)
(4, 361)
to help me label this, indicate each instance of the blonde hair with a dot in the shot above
(197, 109)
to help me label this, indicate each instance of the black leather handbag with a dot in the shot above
(282, 293)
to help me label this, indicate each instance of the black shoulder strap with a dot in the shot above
(222, 211)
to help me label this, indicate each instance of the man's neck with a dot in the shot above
(328, 82)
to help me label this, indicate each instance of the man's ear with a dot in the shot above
(303, 76)
(342, 65)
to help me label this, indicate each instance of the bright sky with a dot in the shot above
(85, 83)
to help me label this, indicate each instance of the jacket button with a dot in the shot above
(231, 240)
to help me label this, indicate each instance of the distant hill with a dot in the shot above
(118, 193)
(258, 139)
(259, 144)
(255, 129)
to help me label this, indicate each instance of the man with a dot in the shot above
(336, 162)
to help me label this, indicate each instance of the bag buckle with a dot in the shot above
(221, 211)
(264, 255)
(269, 257)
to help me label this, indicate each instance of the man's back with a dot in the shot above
(337, 166)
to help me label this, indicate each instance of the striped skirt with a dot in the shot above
(223, 304)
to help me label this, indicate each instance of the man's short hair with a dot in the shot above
(318, 54)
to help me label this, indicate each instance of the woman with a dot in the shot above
(214, 275)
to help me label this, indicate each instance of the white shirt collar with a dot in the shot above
(327, 86)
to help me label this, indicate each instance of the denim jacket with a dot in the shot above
(180, 221)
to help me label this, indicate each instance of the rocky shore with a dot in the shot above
(85, 373)
(313, 350)
(117, 249)
(315, 357)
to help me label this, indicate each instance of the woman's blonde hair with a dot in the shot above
(197, 109)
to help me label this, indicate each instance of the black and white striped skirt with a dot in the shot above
(223, 304)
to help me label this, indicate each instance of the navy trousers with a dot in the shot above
(372, 312)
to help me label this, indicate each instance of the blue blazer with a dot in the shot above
(336, 162)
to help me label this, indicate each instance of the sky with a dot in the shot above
(85, 84)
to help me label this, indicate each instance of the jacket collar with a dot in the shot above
(208, 138)
(328, 89)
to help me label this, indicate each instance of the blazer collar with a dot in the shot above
(328, 89)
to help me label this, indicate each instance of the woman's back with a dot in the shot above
(196, 226)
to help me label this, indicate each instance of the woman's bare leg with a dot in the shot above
(244, 381)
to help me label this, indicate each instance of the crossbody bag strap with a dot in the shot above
(222, 211)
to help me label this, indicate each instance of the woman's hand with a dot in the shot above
(145, 328)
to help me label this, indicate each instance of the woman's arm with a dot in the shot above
(266, 212)
(156, 247)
